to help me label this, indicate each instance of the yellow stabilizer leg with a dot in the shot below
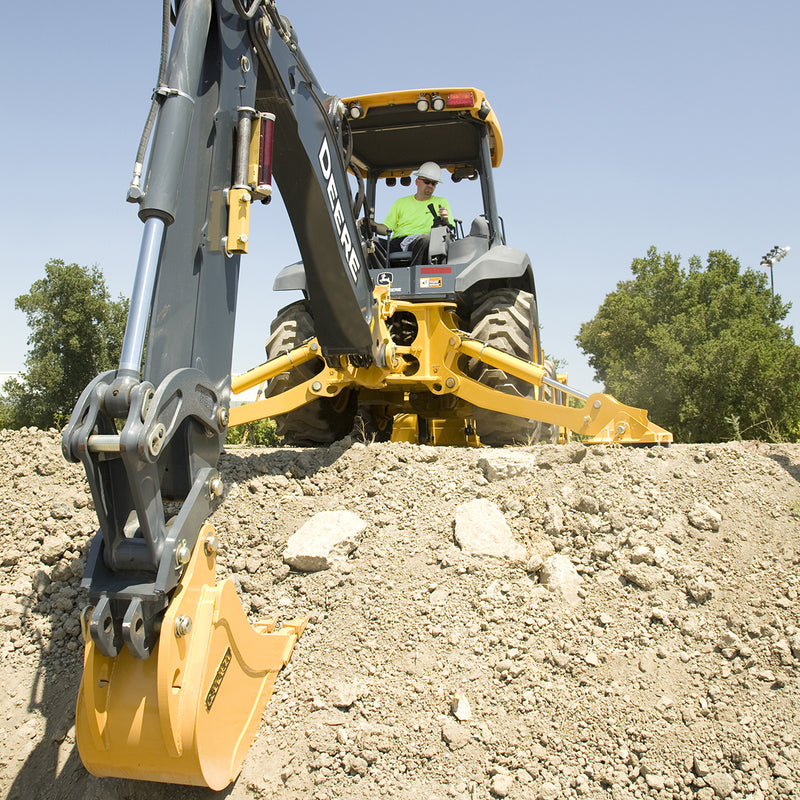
(455, 432)
(189, 712)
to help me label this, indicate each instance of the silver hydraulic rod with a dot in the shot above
(142, 297)
(564, 388)
(243, 128)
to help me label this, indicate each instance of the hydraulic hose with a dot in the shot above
(247, 13)
(134, 191)
(176, 97)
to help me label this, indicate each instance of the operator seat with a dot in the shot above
(400, 258)
(479, 227)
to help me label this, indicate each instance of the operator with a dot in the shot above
(410, 219)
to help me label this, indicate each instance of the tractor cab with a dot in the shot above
(391, 135)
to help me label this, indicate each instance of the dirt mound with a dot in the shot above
(645, 644)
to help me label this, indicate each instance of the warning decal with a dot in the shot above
(430, 283)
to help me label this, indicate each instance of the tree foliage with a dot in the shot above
(702, 349)
(76, 333)
(261, 433)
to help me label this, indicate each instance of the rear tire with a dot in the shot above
(508, 320)
(322, 421)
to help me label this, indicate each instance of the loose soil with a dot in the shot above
(670, 670)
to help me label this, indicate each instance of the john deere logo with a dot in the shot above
(215, 684)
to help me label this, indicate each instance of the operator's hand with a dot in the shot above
(443, 213)
(365, 226)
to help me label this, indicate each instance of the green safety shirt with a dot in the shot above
(409, 216)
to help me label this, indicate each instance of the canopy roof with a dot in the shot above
(394, 132)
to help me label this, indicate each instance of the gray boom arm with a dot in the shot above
(150, 440)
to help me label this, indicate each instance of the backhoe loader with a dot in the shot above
(175, 676)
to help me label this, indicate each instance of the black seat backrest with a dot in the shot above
(400, 258)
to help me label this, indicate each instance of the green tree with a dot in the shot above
(702, 349)
(76, 333)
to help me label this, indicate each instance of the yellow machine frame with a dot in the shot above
(431, 363)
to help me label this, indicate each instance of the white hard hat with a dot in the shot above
(430, 170)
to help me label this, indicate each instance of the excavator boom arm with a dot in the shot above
(159, 634)
(165, 420)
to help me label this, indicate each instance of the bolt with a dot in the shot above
(621, 429)
(450, 383)
(222, 417)
(216, 487)
(596, 404)
(183, 625)
(243, 238)
(313, 347)
(182, 553)
(211, 545)
(316, 386)
(148, 396)
(156, 439)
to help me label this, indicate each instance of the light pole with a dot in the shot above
(770, 259)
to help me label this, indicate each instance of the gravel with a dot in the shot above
(629, 626)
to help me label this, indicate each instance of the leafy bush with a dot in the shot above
(261, 433)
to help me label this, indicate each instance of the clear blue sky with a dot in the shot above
(626, 124)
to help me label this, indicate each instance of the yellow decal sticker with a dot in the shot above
(430, 283)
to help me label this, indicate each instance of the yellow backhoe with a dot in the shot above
(442, 347)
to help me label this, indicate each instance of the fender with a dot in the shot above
(501, 262)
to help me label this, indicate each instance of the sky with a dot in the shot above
(626, 125)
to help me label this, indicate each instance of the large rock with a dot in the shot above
(722, 783)
(324, 540)
(481, 530)
(54, 547)
(642, 575)
(502, 465)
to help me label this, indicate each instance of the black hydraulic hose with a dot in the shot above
(347, 135)
(247, 13)
(134, 192)
(176, 97)
(361, 195)
(279, 22)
